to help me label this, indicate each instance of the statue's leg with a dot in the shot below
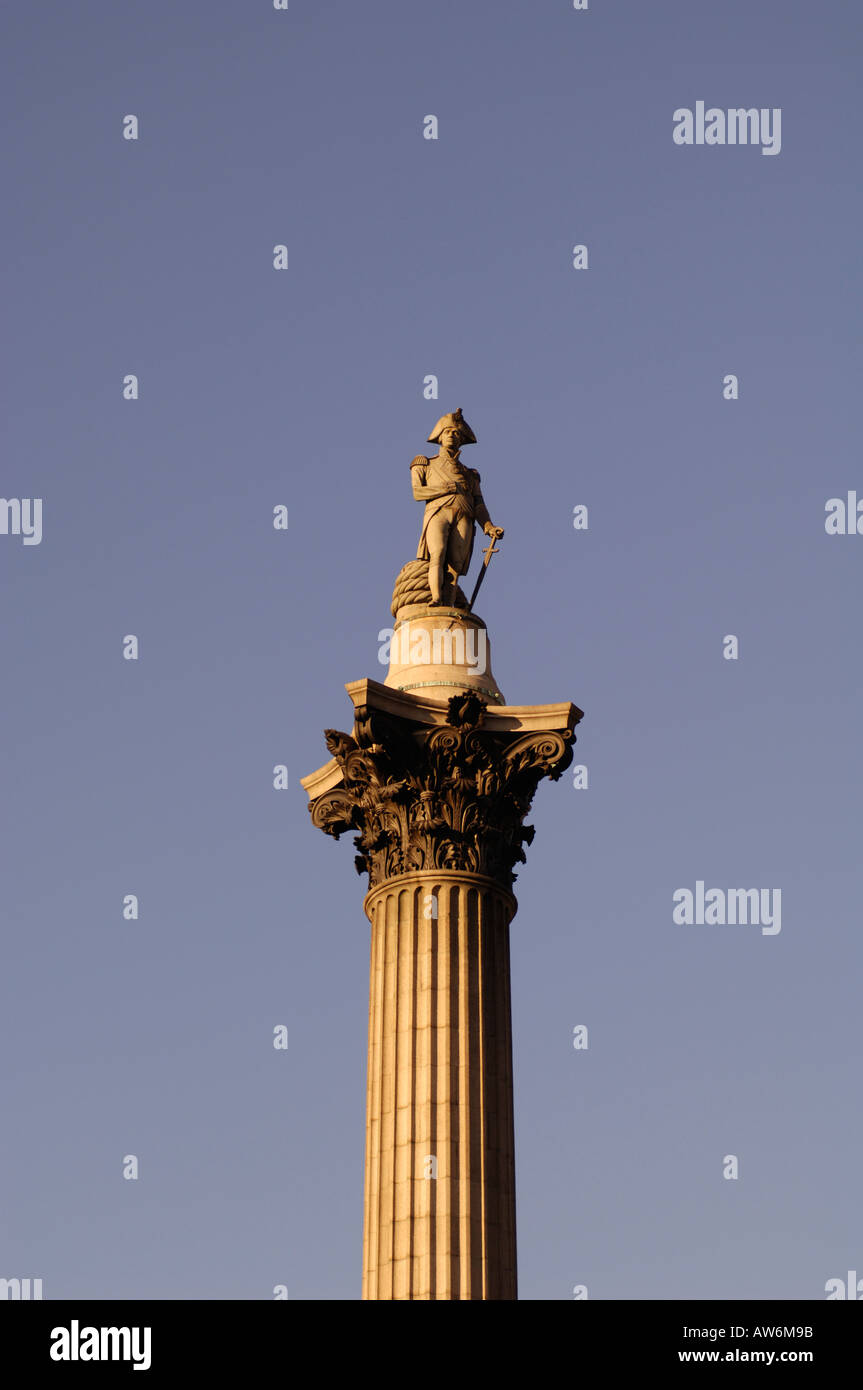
(460, 538)
(437, 538)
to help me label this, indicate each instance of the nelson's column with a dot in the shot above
(435, 781)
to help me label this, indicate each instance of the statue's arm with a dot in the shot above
(480, 511)
(418, 479)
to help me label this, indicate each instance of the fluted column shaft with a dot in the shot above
(440, 1167)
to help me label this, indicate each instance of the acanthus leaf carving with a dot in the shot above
(451, 796)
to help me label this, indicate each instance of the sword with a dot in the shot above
(491, 550)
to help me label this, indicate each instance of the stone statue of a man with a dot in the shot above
(454, 504)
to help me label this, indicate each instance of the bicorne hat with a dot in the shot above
(455, 421)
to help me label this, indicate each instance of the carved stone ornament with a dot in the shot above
(450, 796)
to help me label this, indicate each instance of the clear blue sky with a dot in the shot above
(604, 387)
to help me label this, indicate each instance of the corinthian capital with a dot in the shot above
(438, 788)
